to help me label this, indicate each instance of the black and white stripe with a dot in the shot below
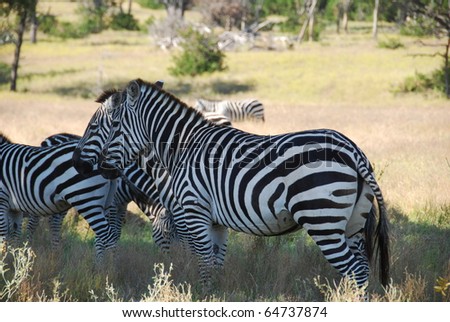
(261, 185)
(42, 181)
(234, 110)
(133, 185)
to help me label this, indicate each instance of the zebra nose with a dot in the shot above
(83, 167)
(108, 170)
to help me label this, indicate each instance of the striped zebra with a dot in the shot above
(134, 185)
(222, 177)
(234, 110)
(217, 118)
(102, 121)
(42, 181)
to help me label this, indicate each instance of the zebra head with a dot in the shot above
(127, 136)
(88, 151)
(164, 231)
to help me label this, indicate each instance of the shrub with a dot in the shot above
(124, 21)
(200, 55)
(151, 4)
(47, 23)
(422, 83)
(390, 43)
(419, 27)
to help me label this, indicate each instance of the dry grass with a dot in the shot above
(342, 83)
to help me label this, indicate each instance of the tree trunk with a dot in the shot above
(447, 68)
(375, 19)
(130, 2)
(34, 27)
(18, 43)
(309, 17)
(311, 28)
(346, 8)
(175, 9)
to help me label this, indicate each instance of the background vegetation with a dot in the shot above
(348, 81)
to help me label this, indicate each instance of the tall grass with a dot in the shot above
(285, 268)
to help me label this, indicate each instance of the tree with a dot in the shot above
(375, 19)
(22, 9)
(438, 12)
(34, 23)
(176, 8)
(311, 5)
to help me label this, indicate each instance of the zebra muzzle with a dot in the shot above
(83, 167)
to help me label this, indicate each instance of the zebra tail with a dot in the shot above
(381, 232)
(382, 242)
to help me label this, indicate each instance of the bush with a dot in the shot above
(200, 55)
(124, 21)
(422, 83)
(151, 4)
(390, 43)
(47, 23)
(419, 27)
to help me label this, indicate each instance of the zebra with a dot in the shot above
(233, 110)
(42, 181)
(217, 118)
(55, 221)
(101, 121)
(222, 177)
(134, 185)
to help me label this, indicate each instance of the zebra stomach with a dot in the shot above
(270, 224)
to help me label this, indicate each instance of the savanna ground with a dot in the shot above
(344, 82)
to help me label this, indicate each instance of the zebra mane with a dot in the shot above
(106, 94)
(173, 97)
(4, 139)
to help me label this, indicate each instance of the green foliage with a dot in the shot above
(151, 4)
(92, 19)
(124, 21)
(420, 27)
(200, 55)
(421, 83)
(5, 72)
(47, 22)
(390, 43)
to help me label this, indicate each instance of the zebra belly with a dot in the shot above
(43, 207)
(266, 224)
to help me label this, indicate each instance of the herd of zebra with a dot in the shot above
(195, 176)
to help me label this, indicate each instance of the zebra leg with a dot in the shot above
(33, 222)
(333, 244)
(55, 222)
(201, 243)
(219, 236)
(359, 230)
(4, 209)
(105, 236)
(15, 227)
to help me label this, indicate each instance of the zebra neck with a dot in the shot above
(172, 127)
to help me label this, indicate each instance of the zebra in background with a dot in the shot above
(222, 177)
(42, 181)
(217, 118)
(235, 111)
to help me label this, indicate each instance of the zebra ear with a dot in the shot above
(114, 102)
(132, 92)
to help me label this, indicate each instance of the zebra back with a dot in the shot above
(59, 138)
